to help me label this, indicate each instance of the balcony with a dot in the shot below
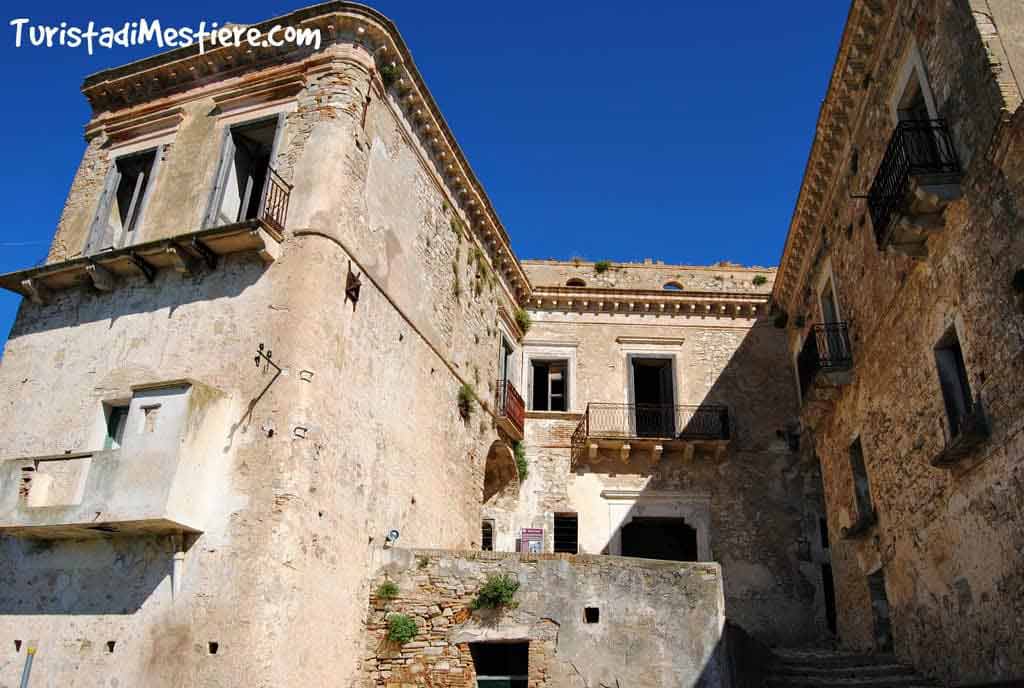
(826, 359)
(186, 253)
(919, 176)
(510, 409)
(160, 480)
(654, 428)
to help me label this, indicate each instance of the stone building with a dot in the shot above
(901, 282)
(306, 392)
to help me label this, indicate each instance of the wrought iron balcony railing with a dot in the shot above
(651, 421)
(827, 348)
(274, 204)
(509, 406)
(917, 148)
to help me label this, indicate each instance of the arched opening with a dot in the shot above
(669, 539)
(500, 469)
(575, 282)
(673, 286)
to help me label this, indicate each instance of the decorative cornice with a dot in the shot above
(651, 302)
(838, 113)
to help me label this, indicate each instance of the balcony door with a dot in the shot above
(831, 342)
(246, 157)
(653, 397)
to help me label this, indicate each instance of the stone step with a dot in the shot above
(837, 671)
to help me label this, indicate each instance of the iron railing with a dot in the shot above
(653, 421)
(274, 204)
(509, 404)
(827, 347)
(922, 147)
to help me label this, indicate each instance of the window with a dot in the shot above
(567, 533)
(242, 172)
(549, 385)
(861, 486)
(122, 202)
(575, 282)
(117, 419)
(669, 539)
(956, 390)
(505, 364)
(653, 396)
(501, 665)
(487, 536)
(673, 286)
(591, 615)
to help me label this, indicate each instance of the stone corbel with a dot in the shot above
(102, 279)
(184, 263)
(38, 293)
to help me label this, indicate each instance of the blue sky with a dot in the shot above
(671, 130)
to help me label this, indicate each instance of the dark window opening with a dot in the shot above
(861, 485)
(117, 419)
(823, 532)
(243, 171)
(487, 536)
(653, 394)
(956, 390)
(575, 282)
(591, 615)
(567, 533)
(134, 172)
(501, 665)
(912, 106)
(670, 539)
(880, 609)
(829, 591)
(673, 286)
(550, 385)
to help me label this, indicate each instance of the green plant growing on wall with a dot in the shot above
(523, 320)
(759, 280)
(387, 590)
(602, 266)
(466, 398)
(401, 628)
(498, 592)
(520, 453)
(456, 225)
(389, 74)
(422, 562)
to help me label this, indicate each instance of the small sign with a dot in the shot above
(531, 540)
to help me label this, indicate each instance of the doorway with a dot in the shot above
(654, 397)
(501, 665)
(880, 611)
(670, 539)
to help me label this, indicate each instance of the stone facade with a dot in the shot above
(250, 412)
(937, 566)
(634, 638)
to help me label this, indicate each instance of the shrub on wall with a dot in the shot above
(466, 398)
(602, 266)
(520, 453)
(759, 280)
(387, 590)
(401, 628)
(497, 593)
(523, 320)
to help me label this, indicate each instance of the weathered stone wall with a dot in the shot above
(750, 504)
(359, 434)
(659, 624)
(650, 274)
(948, 541)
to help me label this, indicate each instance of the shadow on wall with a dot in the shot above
(744, 505)
(103, 576)
(169, 290)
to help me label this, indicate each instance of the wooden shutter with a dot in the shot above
(101, 233)
(227, 155)
(143, 202)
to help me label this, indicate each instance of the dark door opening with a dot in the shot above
(501, 665)
(880, 609)
(828, 588)
(653, 395)
(659, 538)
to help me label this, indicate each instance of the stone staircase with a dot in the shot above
(833, 669)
